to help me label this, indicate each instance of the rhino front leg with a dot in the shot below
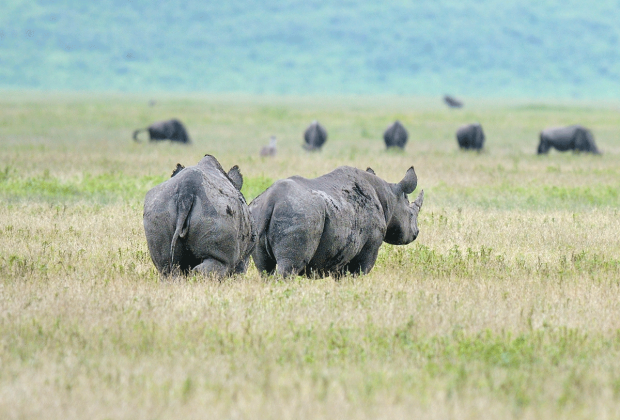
(365, 260)
(212, 267)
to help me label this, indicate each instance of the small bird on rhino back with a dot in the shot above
(315, 137)
(199, 221)
(270, 149)
(333, 224)
(165, 130)
(395, 135)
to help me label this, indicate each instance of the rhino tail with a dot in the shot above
(185, 202)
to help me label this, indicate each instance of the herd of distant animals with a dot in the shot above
(469, 136)
(199, 221)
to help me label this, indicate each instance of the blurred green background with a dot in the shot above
(489, 48)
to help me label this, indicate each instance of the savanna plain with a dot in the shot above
(506, 306)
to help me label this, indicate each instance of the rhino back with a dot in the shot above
(220, 223)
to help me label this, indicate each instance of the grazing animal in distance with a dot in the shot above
(395, 135)
(470, 136)
(165, 130)
(199, 221)
(572, 137)
(452, 102)
(333, 224)
(269, 150)
(315, 136)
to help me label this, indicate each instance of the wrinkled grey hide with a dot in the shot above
(452, 102)
(315, 136)
(165, 130)
(334, 224)
(395, 135)
(470, 136)
(199, 220)
(573, 137)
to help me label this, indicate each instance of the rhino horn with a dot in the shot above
(409, 182)
(370, 171)
(418, 201)
(235, 177)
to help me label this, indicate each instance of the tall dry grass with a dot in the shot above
(506, 306)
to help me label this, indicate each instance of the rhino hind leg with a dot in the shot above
(212, 267)
(263, 261)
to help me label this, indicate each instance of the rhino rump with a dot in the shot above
(470, 136)
(395, 135)
(189, 226)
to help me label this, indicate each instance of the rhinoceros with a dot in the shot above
(573, 137)
(452, 102)
(395, 135)
(165, 130)
(470, 136)
(333, 224)
(315, 136)
(199, 220)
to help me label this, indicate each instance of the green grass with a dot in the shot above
(504, 306)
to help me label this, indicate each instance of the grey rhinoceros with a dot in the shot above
(333, 224)
(315, 136)
(470, 136)
(573, 137)
(199, 220)
(395, 135)
(165, 130)
(452, 102)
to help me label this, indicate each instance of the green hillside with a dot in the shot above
(558, 49)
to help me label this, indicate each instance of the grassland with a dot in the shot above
(506, 306)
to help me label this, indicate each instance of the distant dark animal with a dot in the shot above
(315, 136)
(395, 135)
(165, 130)
(198, 220)
(271, 149)
(573, 137)
(334, 224)
(152, 102)
(470, 136)
(452, 102)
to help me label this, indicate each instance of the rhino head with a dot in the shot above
(403, 225)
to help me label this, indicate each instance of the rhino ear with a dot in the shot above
(370, 171)
(418, 201)
(235, 177)
(409, 182)
(178, 169)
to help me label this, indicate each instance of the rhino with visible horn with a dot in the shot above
(573, 137)
(333, 224)
(199, 220)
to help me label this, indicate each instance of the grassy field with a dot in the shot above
(506, 306)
